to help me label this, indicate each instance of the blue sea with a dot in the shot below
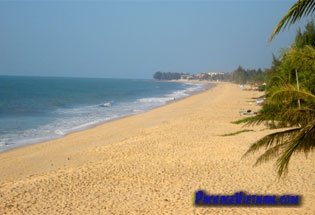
(36, 109)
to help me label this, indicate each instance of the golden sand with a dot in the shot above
(153, 163)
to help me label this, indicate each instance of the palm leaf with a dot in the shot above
(297, 116)
(301, 59)
(283, 145)
(269, 154)
(281, 105)
(300, 9)
(271, 141)
(303, 141)
(292, 92)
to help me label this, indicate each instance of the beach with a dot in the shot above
(153, 163)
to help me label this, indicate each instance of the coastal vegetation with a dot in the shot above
(167, 75)
(211, 76)
(290, 95)
(239, 76)
(243, 76)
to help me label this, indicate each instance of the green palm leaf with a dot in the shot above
(282, 145)
(286, 104)
(269, 142)
(296, 12)
(302, 141)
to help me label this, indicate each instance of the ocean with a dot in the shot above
(36, 109)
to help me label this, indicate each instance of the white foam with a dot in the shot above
(178, 94)
(59, 132)
(3, 142)
(155, 100)
(79, 118)
(85, 125)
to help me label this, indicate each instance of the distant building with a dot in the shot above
(211, 74)
(185, 77)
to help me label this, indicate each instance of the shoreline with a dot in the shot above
(29, 147)
(43, 140)
(152, 163)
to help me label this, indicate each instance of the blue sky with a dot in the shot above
(134, 39)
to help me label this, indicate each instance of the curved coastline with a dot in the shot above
(60, 128)
(152, 162)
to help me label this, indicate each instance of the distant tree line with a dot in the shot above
(167, 75)
(243, 76)
(239, 76)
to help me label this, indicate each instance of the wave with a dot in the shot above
(155, 99)
(71, 119)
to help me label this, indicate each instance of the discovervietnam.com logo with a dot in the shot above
(240, 198)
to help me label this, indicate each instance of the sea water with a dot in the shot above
(36, 109)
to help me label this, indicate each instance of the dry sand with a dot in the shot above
(152, 163)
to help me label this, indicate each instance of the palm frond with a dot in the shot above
(292, 92)
(301, 59)
(308, 52)
(284, 112)
(271, 140)
(283, 145)
(270, 119)
(306, 137)
(296, 12)
(303, 141)
(269, 154)
(297, 116)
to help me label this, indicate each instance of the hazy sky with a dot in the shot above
(134, 39)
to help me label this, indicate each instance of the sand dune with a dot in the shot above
(152, 163)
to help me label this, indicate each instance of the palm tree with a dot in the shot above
(300, 9)
(282, 110)
(300, 137)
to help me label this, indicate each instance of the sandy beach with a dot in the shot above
(153, 163)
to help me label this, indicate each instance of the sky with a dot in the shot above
(134, 39)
